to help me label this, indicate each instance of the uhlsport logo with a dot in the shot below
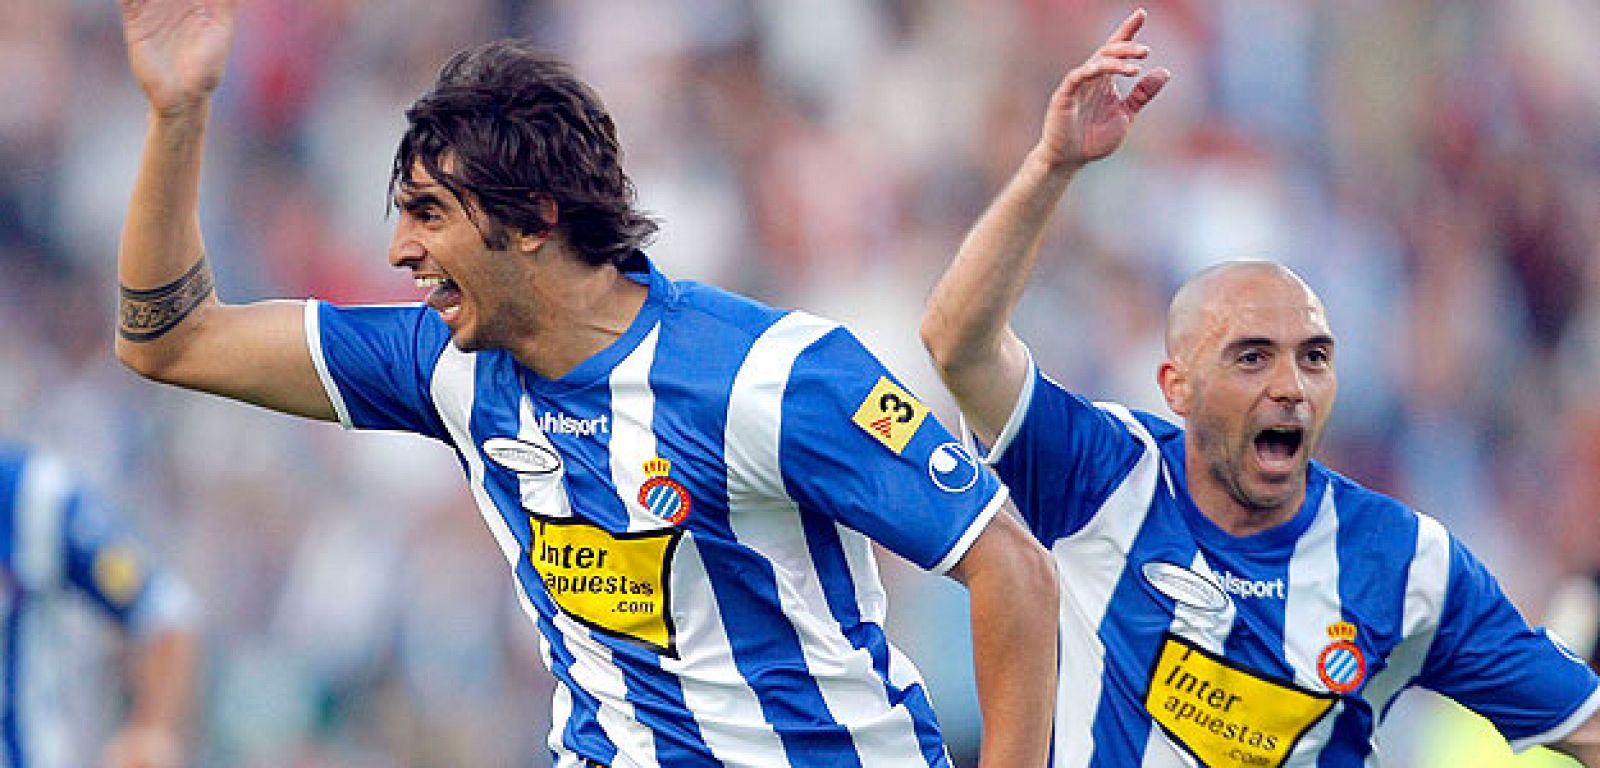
(555, 423)
(952, 468)
(1252, 587)
(661, 495)
(1341, 665)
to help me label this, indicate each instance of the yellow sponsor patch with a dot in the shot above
(1226, 716)
(117, 574)
(612, 582)
(890, 414)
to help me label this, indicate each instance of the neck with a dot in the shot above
(1222, 506)
(580, 310)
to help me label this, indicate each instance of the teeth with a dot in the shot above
(429, 282)
(450, 312)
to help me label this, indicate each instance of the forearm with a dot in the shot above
(160, 263)
(162, 681)
(969, 311)
(1583, 744)
(966, 326)
(1014, 631)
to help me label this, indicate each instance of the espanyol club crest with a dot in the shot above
(661, 495)
(1341, 665)
(952, 468)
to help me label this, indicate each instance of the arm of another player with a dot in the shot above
(1015, 606)
(162, 681)
(966, 323)
(171, 326)
(1584, 743)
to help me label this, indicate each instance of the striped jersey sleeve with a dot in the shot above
(1485, 656)
(106, 561)
(1061, 456)
(376, 362)
(859, 447)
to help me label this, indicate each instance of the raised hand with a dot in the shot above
(1087, 118)
(177, 49)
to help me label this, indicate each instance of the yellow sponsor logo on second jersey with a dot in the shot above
(890, 414)
(1225, 715)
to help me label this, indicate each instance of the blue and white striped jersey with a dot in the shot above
(689, 515)
(1184, 645)
(57, 539)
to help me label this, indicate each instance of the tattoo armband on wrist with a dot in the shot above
(146, 314)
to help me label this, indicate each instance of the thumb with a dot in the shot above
(1150, 85)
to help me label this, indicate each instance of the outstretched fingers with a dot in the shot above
(1129, 27)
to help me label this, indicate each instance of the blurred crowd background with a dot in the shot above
(1431, 166)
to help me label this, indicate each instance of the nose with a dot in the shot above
(404, 250)
(1287, 384)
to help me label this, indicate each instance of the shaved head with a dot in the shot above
(1208, 292)
(1250, 369)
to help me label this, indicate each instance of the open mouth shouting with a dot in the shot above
(443, 295)
(1278, 448)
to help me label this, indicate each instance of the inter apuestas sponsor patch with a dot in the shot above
(612, 582)
(890, 414)
(1225, 715)
(521, 455)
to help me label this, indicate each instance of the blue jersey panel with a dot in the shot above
(1486, 657)
(1065, 459)
(918, 500)
(381, 359)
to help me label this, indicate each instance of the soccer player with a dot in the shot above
(1226, 600)
(686, 483)
(56, 539)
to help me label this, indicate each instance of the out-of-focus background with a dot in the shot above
(1431, 166)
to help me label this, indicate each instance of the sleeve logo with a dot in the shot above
(952, 468)
(890, 414)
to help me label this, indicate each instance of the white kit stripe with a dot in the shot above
(633, 441)
(1311, 606)
(766, 519)
(1090, 563)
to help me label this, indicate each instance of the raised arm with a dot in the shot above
(171, 326)
(966, 325)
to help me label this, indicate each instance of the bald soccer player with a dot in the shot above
(1226, 600)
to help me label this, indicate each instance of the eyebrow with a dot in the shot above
(1318, 340)
(414, 198)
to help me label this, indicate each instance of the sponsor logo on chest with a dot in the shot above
(1252, 587)
(556, 423)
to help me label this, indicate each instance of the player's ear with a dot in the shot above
(550, 213)
(1176, 385)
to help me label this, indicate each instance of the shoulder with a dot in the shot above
(1358, 502)
(721, 309)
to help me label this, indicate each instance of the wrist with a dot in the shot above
(181, 111)
(1050, 163)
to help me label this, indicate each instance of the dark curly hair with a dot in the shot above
(519, 129)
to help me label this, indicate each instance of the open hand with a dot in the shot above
(177, 49)
(1087, 118)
